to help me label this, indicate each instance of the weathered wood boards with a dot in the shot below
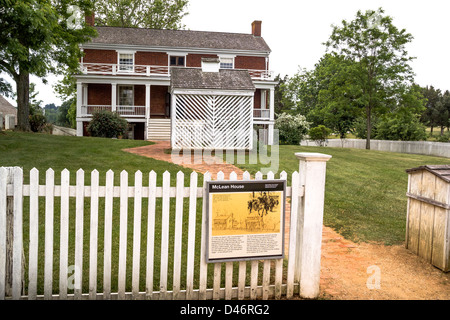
(428, 222)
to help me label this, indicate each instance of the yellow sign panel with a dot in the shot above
(245, 220)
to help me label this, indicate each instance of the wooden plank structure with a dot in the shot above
(428, 214)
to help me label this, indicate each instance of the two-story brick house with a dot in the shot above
(199, 89)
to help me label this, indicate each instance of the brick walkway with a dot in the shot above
(209, 164)
(161, 151)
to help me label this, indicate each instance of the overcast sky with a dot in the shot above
(295, 31)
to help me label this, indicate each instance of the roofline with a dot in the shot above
(107, 46)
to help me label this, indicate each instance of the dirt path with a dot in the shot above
(352, 271)
(402, 275)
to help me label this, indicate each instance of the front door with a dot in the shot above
(159, 102)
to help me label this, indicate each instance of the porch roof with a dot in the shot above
(179, 39)
(225, 79)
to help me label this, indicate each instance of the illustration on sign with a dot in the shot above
(245, 220)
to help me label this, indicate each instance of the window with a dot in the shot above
(126, 96)
(176, 61)
(226, 63)
(126, 62)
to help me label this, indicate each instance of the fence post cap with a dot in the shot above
(311, 156)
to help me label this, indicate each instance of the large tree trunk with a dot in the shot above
(369, 126)
(23, 99)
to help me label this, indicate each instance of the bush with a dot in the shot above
(443, 138)
(319, 134)
(107, 124)
(37, 122)
(401, 127)
(291, 128)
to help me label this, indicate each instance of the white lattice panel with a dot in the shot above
(212, 121)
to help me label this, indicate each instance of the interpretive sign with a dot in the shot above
(245, 220)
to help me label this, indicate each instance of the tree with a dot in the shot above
(337, 105)
(300, 92)
(281, 104)
(319, 134)
(429, 116)
(377, 48)
(36, 38)
(155, 14)
(403, 121)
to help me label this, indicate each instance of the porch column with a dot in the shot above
(147, 108)
(79, 104)
(271, 116)
(113, 97)
(172, 120)
(272, 104)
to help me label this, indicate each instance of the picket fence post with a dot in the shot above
(11, 220)
(312, 171)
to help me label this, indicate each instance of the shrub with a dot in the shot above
(291, 128)
(107, 124)
(443, 138)
(402, 127)
(37, 122)
(319, 134)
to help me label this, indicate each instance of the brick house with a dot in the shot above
(201, 90)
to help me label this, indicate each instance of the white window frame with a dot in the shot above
(176, 54)
(128, 68)
(123, 107)
(227, 57)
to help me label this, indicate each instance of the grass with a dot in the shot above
(43, 151)
(365, 190)
(364, 201)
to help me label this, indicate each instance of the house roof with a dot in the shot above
(442, 171)
(179, 39)
(225, 79)
(6, 107)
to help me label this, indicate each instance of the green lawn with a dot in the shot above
(365, 190)
(43, 151)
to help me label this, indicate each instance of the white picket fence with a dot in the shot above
(55, 214)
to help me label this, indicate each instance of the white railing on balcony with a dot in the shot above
(126, 111)
(261, 74)
(261, 114)
(141, 70)
(117, 69)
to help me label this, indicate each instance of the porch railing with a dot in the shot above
(127, 111)
(261, 114)
(117, 69)
(146, 70)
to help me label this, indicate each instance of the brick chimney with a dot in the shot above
(256, 28)
(89, 18)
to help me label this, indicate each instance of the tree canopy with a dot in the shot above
(155, 14)
(37, 38)
(376, 50)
